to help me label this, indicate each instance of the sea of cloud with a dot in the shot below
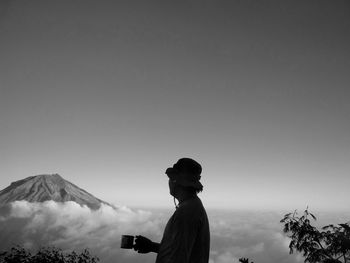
(234, 234)
(71, 226)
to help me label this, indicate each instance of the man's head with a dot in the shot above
(185, 173)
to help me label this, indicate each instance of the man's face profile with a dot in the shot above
(172, 185)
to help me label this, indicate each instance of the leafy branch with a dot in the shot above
(331, 244)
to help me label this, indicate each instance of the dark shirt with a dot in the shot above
(186, 237)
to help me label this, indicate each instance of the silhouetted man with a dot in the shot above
(186, 237)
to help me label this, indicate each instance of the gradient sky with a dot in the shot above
(110, 93)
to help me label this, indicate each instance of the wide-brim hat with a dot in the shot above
(186, 172)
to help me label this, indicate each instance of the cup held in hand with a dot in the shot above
(127, 242)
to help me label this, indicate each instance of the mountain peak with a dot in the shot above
(46, 187)
(56, 176)
(51, 178)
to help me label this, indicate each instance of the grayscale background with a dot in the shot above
(110, 93)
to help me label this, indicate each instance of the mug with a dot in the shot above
(127, 241)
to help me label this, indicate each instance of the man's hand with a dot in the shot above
(143, 245)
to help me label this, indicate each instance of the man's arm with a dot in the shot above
(155, 247)
(144, 245)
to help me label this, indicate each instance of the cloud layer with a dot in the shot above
(256, 235)
(71, 226)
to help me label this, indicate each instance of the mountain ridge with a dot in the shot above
(46, 187)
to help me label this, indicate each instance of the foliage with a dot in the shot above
(331, 244)
(45, 255)
(245, 260)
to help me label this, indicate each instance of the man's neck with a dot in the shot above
(185, 196)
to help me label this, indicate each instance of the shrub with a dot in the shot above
(19, 254)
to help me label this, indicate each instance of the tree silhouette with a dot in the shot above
(331, 244)
(19, 254)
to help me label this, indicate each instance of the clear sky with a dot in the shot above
(110, 93)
